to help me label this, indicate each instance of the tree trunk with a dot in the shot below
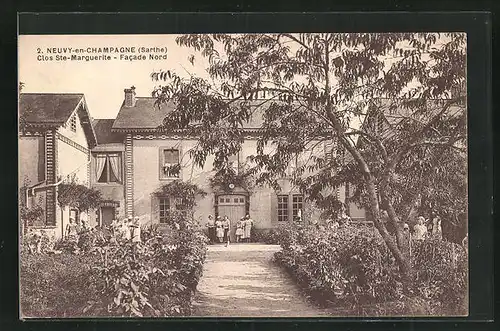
(394, 248)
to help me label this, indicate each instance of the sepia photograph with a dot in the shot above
(243, 175)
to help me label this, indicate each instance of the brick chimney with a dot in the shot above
(130, 97)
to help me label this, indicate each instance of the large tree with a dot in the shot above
(319, 88)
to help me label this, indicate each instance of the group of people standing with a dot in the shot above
(75, 229)
(126, 229)
(219, 229)
(422, 231)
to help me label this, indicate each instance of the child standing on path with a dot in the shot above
(239, 229)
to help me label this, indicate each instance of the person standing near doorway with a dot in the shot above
(226, 224)
(219, 229)
(211, 229)
(247, 228)
(239, 230)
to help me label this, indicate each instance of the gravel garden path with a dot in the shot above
(242, 281)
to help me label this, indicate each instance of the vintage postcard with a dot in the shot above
(243, 175)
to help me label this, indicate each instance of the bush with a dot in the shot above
(156, 277)
(266, 236)
(348, 266)
(351, 267)
(54, 285)
(441, 274)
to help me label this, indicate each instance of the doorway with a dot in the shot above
(107, 215)
(232, 205)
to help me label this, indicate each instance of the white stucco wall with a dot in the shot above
(78, 136)
(71, 160)
(146, 159)
(29, 154)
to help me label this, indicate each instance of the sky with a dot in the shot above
(102, 82)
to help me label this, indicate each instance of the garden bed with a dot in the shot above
(114, 279)
(350, 271)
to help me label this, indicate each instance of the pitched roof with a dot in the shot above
(146, 116)
(104, 135)
(52, 109)
(395, 112)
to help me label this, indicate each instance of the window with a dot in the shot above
(297, 205)
(170, 163)
(164, 208)
(231, 200)
(282, 208)
(108, 167)
(168, 204)
(72, 123)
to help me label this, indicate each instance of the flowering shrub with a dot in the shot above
(155, 278)
(441, 270)
(352, 267)
(37, 241)
(266, 236)
(54, 285)
(348, 265)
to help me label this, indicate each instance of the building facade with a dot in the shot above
(55, 145)
(146, 156)
(128, 159)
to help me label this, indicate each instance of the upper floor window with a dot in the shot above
(72, 123)
(108, 168)
(170, 163)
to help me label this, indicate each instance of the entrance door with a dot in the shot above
(107, 215)
(232, 205)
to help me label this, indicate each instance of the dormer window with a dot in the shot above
(72, 123)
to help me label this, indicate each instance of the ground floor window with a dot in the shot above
(297, 207)
(167, 204)
(282, 208)
(164, 208)
(290, 207)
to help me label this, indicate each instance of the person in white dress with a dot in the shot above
(239, 230)
(247, 228)
(420, 230)
(437, 231)
(136, 230)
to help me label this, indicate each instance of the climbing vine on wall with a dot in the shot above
(79, 196)
(223, 178)
(184, 191)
